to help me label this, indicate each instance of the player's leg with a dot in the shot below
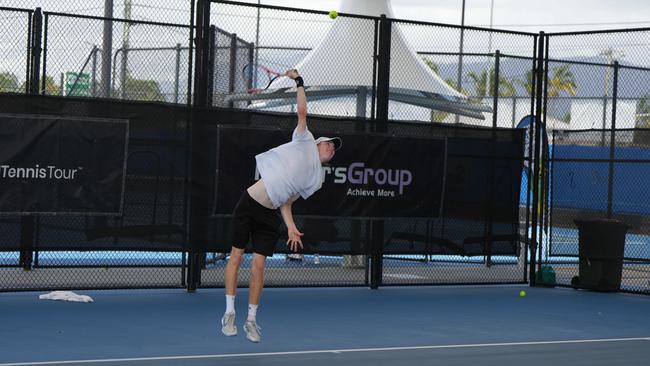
(228, 326)
(240, 234)
(256, 283)
(264, 236)
(232, 270)
(255, 288)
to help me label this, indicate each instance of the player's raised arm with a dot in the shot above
(301, 99)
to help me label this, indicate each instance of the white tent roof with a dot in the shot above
(344, 57)
(343, 61)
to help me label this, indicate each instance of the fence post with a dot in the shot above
(233, 66)
(44, 52)
(381, 125)
(28, 223)
(252, 57)
(199, 143)
(37, 33)
(94, 71)
(177, 71)
(490, 206)
(375, 60)
(28, 62)
(107, 49)
(604, 124)
(612, 144)
(459, 78)
(123, 71)
(211, 62)
(539, 95)
(190, 56)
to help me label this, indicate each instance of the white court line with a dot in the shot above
(232, 355)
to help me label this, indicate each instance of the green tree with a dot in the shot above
(436, 69)
(8, 83)
(145, 90)
(561, 80)
(527, 83)
(439, 116)
(432, 65)
(51, 87)
(481, 80)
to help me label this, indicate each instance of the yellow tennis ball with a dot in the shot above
(522, 293)
(333, 14)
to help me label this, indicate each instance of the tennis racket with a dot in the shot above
(259, 78)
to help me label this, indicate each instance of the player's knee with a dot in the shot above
(235, 258)
(257, 267)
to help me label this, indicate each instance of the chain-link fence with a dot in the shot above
(338, 73)
(148, 62)
(144, 246)
(167, 11)
(435, 73)
(15, 33)
(596, 117)
(591, 180)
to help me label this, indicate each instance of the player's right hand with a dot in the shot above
(292, 73)
(294, 242)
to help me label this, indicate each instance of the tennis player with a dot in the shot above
(289, 171)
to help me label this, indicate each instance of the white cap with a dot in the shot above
(335, 140)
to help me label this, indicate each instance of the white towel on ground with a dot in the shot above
(65, 296)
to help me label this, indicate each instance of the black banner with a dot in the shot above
(62, 165)
(371, 176)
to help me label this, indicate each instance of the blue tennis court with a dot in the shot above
(323, 326)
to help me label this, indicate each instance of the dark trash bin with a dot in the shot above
(601, 246)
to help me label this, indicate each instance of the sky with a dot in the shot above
(524, 15)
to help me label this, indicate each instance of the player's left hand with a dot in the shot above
(294, 242)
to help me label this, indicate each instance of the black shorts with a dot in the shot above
(257, 224)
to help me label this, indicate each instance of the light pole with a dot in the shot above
(491, 18)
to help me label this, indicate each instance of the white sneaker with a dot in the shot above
(228, 324)
(253, 331)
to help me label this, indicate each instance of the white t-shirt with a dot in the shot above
(291, 168)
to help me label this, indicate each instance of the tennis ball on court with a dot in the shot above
(333, 14)
(522, 293)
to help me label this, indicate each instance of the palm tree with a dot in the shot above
(527, 84)
(561, 80)
(506, 88)
(436, 69)
(432, 65)
(439, 116)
